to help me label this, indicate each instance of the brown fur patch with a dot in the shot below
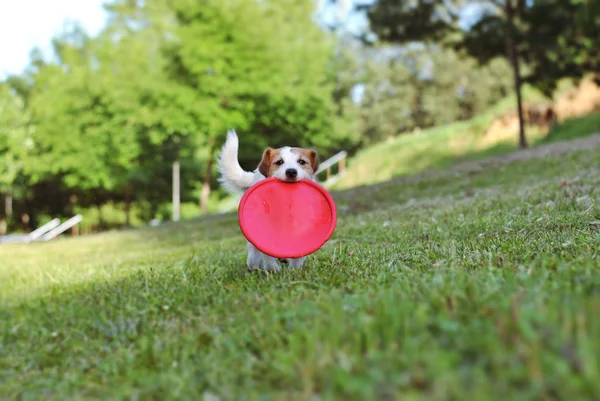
(267, 166)
(310, 157)
(265, 162)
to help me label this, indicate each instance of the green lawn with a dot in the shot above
(574, 128)
(474, 283)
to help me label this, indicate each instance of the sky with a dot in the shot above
(25, 24)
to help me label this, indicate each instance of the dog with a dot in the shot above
(288, 164)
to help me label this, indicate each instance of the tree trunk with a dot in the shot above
(176, 198)
(205, 194)
(72, 201)
(100, 218)
(5, 219)
(514, 62)
(128, 205)
(8, 206)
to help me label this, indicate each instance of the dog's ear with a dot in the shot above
(314, 160)
(265, 163)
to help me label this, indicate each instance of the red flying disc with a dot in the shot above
(287, 220)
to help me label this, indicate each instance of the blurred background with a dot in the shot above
(116, 110)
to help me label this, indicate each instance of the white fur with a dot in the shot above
(235, 180)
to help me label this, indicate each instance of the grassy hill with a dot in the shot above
(476, 282)
(444, 146)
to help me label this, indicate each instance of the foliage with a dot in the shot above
(563, 36)
(15, 137)
(405, 21)
(554, 37)
(81, 133)
(162, 83)
(103, 120)
(541, 33)
(474, 286)
(270, 81)
(425, 87)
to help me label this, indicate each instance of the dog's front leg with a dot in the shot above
(255, 258)
(258, 260)
(296, 263)
(270, 263)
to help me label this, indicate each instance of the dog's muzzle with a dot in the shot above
(291, 173)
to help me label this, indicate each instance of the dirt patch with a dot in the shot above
(502, 129)
(538, 152)
(582, 100)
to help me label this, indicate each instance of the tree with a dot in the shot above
(217, 68)
(437, 21)
(270, 81)
(163, 113)
(82, 131)
(564, 37)
(407, 88)
(459, 88)
(15, 139)
(161, 85)
(555, 38)
(499, 32)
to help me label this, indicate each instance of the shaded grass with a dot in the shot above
(471, 286)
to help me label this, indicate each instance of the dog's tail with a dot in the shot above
(233, 178)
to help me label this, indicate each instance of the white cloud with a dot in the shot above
(25, 24)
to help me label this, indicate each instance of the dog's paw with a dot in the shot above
(253, 262)
(271, 265)
(252, 266)
(296, 263)
(293, 263)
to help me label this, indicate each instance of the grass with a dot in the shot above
(473, 285)
(574, 128)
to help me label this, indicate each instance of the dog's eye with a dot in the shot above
(279, 162)
(301, 162)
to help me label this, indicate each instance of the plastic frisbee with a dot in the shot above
(287, 220)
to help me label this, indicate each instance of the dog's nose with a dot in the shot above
(291, 173)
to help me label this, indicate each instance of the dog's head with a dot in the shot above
(289, 164)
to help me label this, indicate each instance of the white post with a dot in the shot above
(176, 200)
(62, 228)
(52, 224)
